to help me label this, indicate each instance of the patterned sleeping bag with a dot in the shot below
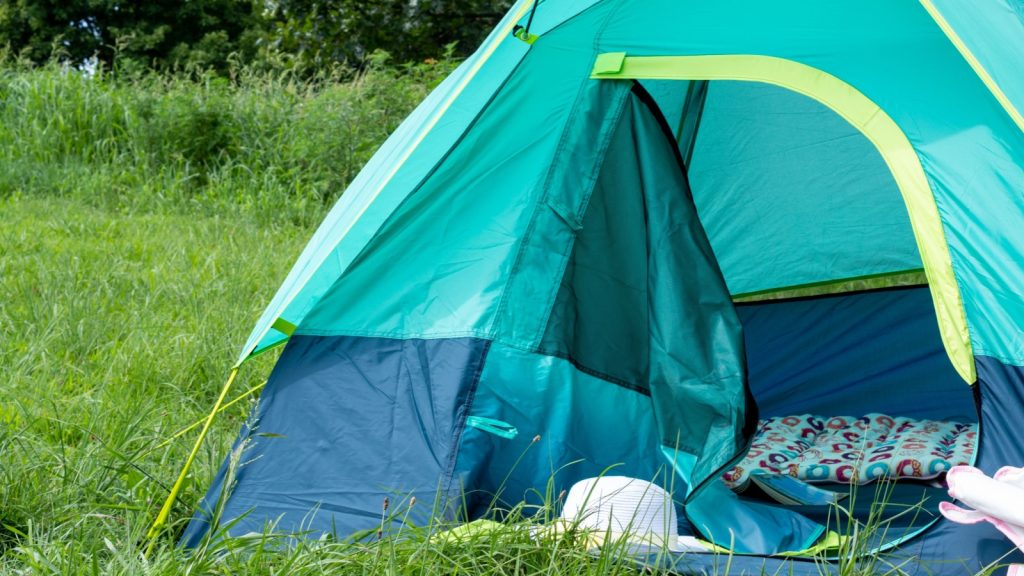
(853, 450)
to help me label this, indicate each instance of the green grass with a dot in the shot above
(264, 145)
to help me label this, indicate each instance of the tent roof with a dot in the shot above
(894, 54)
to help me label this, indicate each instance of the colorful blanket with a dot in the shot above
(852, 450)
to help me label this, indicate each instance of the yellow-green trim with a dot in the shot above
(877, 126)
(983, 74)
(915, 277)
(283, 326)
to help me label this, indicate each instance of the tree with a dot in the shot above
(160, 35)
(315, 33)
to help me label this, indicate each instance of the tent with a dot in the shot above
(622, 232)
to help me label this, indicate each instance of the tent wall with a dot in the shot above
(572, 425)
(342, 424)
(791, 194)
(853, 354)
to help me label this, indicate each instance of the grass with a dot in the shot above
(145, 223)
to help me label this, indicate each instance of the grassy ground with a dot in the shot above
(117, 331)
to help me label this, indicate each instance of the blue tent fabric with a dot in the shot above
(852, 354)
(343, 423)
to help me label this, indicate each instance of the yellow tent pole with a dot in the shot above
(199, 422)
(165, 511)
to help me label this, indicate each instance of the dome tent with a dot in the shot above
(602, 229)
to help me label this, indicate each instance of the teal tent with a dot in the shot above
(633, 228)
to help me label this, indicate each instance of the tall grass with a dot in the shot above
(261, 143)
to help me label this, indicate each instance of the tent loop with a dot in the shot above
(523, 32)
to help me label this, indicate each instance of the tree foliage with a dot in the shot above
(317, 32)
(160, 35)
(304, 35)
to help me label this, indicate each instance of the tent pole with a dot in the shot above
(689, 120)
(199, 422)
(165, 511)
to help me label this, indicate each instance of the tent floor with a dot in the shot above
(884, 512)
(891, 512)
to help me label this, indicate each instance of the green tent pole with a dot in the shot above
(165, 511)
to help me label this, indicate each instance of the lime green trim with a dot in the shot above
(915, 277)
(262, 351)
(284, 327)
(877, 126)
(525, 36)
(609, 63)
(976, 65)
(827, 543)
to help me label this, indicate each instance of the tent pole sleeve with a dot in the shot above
(161, 518)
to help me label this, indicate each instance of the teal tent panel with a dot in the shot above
(571, 426)
(405, 158)
(641, 301)
(600, 314)
(400, 163)
(791, 194)
(993, 31)
(440, 264)
(893, 53)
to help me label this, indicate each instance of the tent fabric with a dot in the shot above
(866, 116)
(342, 424)
(984, 33)
(780, 155)
(894, 53)
(853, 354)
(532, 210)
(562, 438)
